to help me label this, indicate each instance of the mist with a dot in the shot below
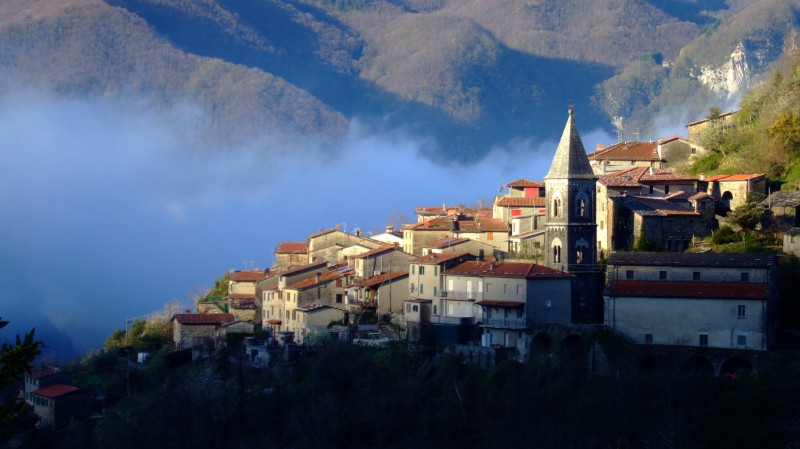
(112, 209)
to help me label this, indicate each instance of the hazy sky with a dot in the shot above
(110, 211)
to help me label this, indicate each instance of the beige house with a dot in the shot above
(380, 260)
(198, 329)
(697, 129)
(718, 300)
(290, 254)
(673, 153)
(491, 231)
(524, 197)
(57, 405)
(384, 292)
(390, 237)
(424, 289)
(327, 244)
(732, 191)
(464, 245)
(312, 318)
(242, 293)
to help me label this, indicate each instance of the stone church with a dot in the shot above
(571, 228)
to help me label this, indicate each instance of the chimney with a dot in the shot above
(444, 206)
(337, 227)
(358, 232)
(389, 228)
(188, 311)
(318, 277)
(660, 149)
(492, 266)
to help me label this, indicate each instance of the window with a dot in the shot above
(557, 254)
(421, 269)
(436, 271)
(413, 269)
(434, 290)
(703, 340)
(415, 308)
(695, 275)
(408, 308)
(488, 287)
(601, 224)
(666, 190)
(662, 275)
(652, 189)
(505, 289)
(519, 289)
(413, 288)
(648, 339)
(629, 274)
(434, 309)
(556, 207)
(694, 150)
(490, 235)
(581, 207)
(421, 289)
(745, 277)
(741, 340)
(740, 311)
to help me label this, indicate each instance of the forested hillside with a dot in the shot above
(469, 74)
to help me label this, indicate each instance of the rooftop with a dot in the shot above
(324, 278)
(55, 391)
(628, 151)
(521, 201)
(375, 252)
(525, 183)
(688, 289)
(653, 207)
(254, 275)
(291, 248)
(734, 178)
(783, 198)
(732, 260)
(381, 278)
(637, 176)
(519, 270)
(570, 160)
(437, 258)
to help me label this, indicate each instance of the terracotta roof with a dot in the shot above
(637, 176)
(730, 260)
(55, 391)
(322, 232)
(291, 248)
(463, 224)
(525, 183)
(688, 289)
(375, 252)
(203, 318)
(446, 242)
(381, 278)
(519, 270)
(503, 304)
(733, 178)
(253, 275)
(328, 276)
(522, 201)
(699, 196)
(274, 321)
(628, 151)
(437, 258)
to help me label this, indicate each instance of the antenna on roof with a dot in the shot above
(571, 105)
(636, 134)
(617, 123)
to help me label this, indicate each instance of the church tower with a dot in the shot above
(571, 228)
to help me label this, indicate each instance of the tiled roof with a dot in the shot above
(55, 391)
(203, 318)
(783, 198)
(654, 207)
(519, 270)
(522, 201)
(328, 276)
(733, 178)
(525, 183)
(381, 278)
(705, 119)
(239, 296)
(322, 232)
(253, 275)
(437, 258)
(730, 260)
(451, 210)
(699, 196)
(291, 248)
(503, 304)
(636, 176)
(314, 265)
(375, 252)
(43, 371)
(463, 224)
(688, 289)
(628, 151)
(446, 242)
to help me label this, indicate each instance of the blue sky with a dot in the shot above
(111, 211)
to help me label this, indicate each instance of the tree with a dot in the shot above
(15, 360)
(747, 216)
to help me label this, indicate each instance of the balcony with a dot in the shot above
(461, 295)
(452, 320)
(502, 323)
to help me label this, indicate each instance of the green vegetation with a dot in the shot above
(15, 360)
(644, 244)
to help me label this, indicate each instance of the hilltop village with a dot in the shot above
(607, 241)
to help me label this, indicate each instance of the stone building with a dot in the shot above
(732, 191)
(718, 300)
(58, 404)
(198, 329)
(673, 153)
(291, 254)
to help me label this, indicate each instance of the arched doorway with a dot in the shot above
(736, 367)
(542, 344)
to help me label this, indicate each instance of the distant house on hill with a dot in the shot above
(198, 329)
(290, 254)
(732, 191)
(672, 153)
(57, 404)
(723, 123)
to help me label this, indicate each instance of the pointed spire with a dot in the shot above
(570, 160)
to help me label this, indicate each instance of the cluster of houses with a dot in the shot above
(550, 252)
(547, 253)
